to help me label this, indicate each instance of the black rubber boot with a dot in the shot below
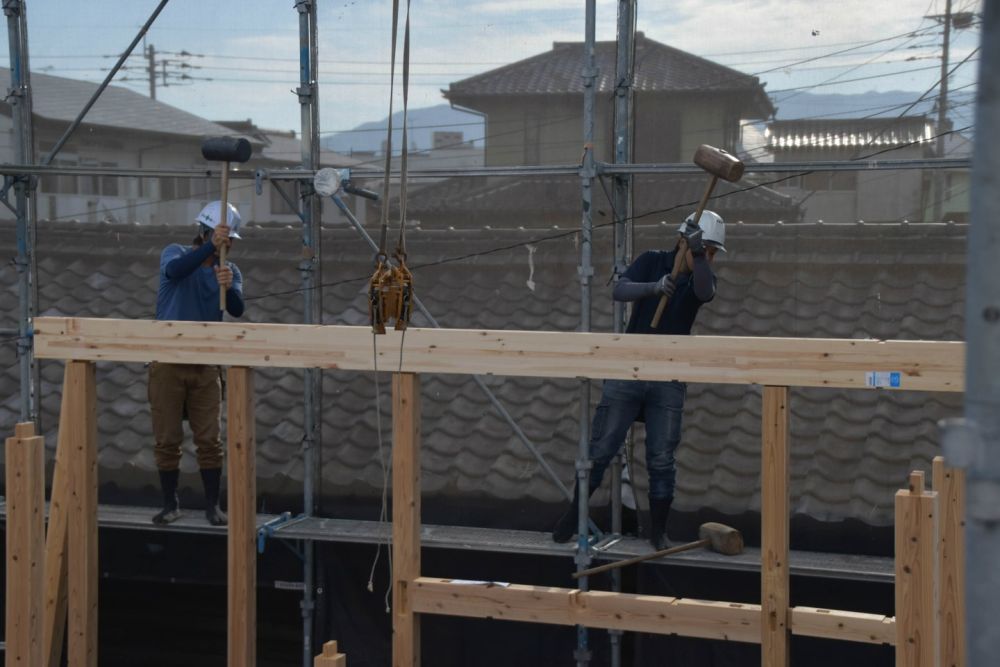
(659, 510)
(171, 506)
(565, 527)
(212, 479)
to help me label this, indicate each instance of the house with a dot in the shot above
(871, 196)
(125, 129)
(534, 107)
(534, 114)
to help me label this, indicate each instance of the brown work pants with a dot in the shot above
(196, 388)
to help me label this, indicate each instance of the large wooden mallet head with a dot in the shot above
(721, 538)
(718, 162)
(226, 149)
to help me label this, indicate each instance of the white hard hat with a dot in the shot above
(209, 217)
(713, 228)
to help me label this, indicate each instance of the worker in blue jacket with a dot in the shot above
(190, 280)
(659, 404)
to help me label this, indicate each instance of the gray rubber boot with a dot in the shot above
(659, 510)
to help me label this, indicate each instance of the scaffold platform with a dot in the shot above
(851, 567)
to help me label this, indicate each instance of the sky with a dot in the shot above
(244, 62)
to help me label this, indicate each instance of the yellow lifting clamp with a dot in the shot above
(390, 294)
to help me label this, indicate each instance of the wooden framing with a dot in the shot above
(776, 363)
(56, 545)
(774, 577)
(242, 490)
(405, 517)
(916, 575)
(25, 489)
(793, 362)
(950, 486)
(80, 421)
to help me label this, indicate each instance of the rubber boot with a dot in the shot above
(566, 526)
(171, 506)
(659, 510)
(212, 479)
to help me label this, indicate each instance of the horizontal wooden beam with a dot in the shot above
(594, 609)
(731, 621)
(796, 362)
(845, 625)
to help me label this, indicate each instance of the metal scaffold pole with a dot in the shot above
(586, 271)
(974, 442)
(19, 98)
(312, 280)
(621, 206)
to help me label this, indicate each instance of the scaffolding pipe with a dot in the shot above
(586, 272)
(621, 208)
(980, 445)
(19, 98)
(104, 84)
(310, 268)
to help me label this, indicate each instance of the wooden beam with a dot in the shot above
(843, 625)
(594, 609)
(796, 362)
(56, 544)
(80, 421)
(916, 575)
(405, 517)
(950, 486)
(242, 492)
(25, 489)
(330, 657)
(774, 481)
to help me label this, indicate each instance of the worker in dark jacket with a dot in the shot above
(190, 280)
(659, 404)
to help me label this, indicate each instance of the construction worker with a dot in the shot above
(659, 404)
(190, 280)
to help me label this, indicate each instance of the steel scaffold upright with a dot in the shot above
(586, 271)
(621, 208)
(312, 279)
(19, 98)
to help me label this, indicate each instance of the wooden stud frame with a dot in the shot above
(775, 363)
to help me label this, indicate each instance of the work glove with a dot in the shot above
(695, 243)
(666, 286)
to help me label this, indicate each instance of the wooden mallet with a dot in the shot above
(225, 150)
(718, 537)
(719, 164)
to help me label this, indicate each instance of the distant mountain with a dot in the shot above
(884, 104)
(368, 137)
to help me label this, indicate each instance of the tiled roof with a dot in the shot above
(848, 132)
(60, 99)
(850, 449)
(659, 68)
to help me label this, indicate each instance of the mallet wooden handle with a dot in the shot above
(639, 559)
(223, 220)
(678, 262)
(681, 250)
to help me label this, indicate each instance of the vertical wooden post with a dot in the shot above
(916, 575)
(774, 482)
(405, 517)
(242, 518)
(25, 489)
(80, 421)
(56, 544)
(330, 657)
(950, 486)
